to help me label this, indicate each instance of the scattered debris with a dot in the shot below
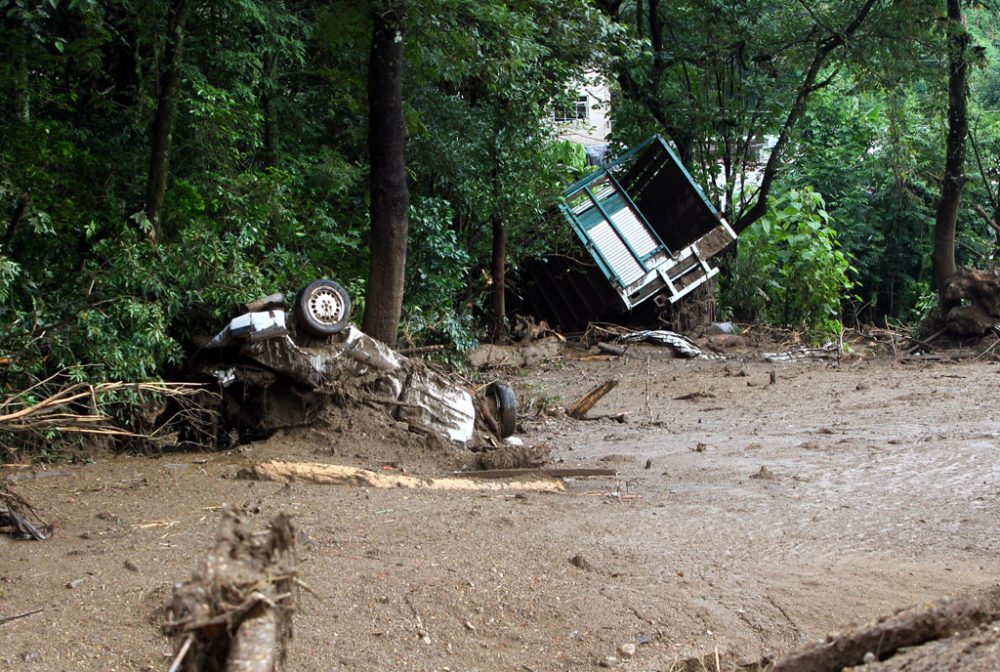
(681, 344)
(19, 519)
(334, 474)
(581, 406)
(530, 354)
(828, 351)
(727, 342)
(525, 330)
(235, 613)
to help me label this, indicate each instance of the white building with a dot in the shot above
(588, 121)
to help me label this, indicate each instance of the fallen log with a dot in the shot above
(552, 472)
(335, 474)
(912, 627)
(582, 405)
(235, 612)
(612, 348)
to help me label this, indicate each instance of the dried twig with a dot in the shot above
(8, 619)
(74, 408)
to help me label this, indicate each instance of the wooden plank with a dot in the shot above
(335, 474)
(554, 473)
(582, 405)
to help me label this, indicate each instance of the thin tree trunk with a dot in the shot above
(270, 109)
(797, 111)
(498, 317)
(162, 129)
(390, 199)
(22, 90)
(946, 222)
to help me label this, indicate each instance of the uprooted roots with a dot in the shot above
(235, 613)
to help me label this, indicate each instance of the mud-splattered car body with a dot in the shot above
(272, 374)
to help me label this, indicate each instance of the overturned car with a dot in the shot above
(272, 372)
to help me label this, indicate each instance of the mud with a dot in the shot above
(878, 487)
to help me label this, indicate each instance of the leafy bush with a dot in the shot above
(789, 269)
(437, 268)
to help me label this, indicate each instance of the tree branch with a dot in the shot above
(823, 50)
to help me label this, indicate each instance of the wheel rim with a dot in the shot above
(326, 305)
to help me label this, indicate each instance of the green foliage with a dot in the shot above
(789, 269)
(82, 287)
(437, 267)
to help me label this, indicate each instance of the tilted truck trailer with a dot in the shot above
(649, 230)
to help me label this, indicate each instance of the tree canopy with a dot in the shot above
(164, 162)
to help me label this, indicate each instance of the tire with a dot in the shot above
(505, 404)
(322, 308)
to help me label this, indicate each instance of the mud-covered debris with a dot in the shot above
(681, 344)
(828, 351)
(235, 612)
(515, 457)
(581, 562)
(764, 474)
(529, 354)
(979, 292)
(948, 634)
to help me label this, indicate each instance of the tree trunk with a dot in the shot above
(943, 256)
(22, 89)
(390, 199)
(166, 109)
(270, 109)
(498, 317)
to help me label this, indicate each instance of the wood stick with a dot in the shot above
(582, 405)
(927, 343)
(8, 619)
(174, 666)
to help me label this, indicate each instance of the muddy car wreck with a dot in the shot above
(271, 372)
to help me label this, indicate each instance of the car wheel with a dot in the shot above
(322, 308)
(505, 405)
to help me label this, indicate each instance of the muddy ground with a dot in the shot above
(747, 519)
